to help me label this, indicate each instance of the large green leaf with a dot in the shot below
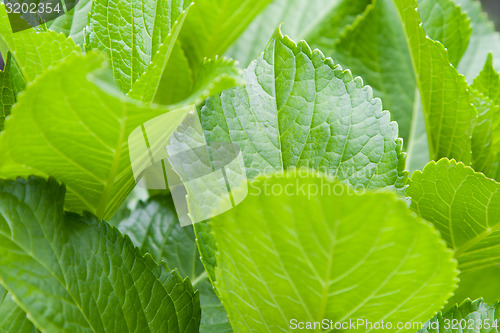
(77, 274)
(304, 246)
(300, 109)
(469, 316)
(413, 74)
(446, 22)
(319, 22)
(77, 127)
(157, 46)
(34, 52)
(464, 206)
(154, 228)
(12, 318)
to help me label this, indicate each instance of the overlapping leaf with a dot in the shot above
(296, 250)
(319, 22)
(412, 72)
(486, 135)
(77, 274)
(300, 109)
(77, 126)
(132, 33)
(154, 51)
(469, 316)
(154, 228)
(464, 206)
(34, 52)
(484, 40)
(7, 94)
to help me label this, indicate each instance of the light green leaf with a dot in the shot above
(131, 33)
(321, 251)
(34, 52)
(412, 73)
(484, 152)
(214, 77)
(149, 85)
(73, 23)
(484, 40)
(486, 136)
(12, 318)
(154, 228)
(212, 26)
(77, 274)
(444, 21)
(148, 60)
(7, 93)
(488, 81)
(474, 316)
(300, 109)
(319, 22)
(310, 113)
(78, 129)
(464, 206)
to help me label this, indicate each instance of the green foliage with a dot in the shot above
(355, 239)
(154, 228)
(310, 113)
(313, 262)
(12, 318)
(469, 316)
(464, 206)
(81, 275)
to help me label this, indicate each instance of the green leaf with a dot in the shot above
(300, 109)
(413, 74)
(214, 77)
(464, 206)
(34, 52)
(285, 253)
(77, 274)
(131, 33)
(310, 113)
(319, 22)
(7, 93)
(484, 40)
(12, 318)
(154, 228)
(446, 22)
(486, 136)
(484, 151)
(73, 23)
(212, 26)
(488, 81)
(148, 44)
(78, 129)
(168, 57)
(472, 315)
